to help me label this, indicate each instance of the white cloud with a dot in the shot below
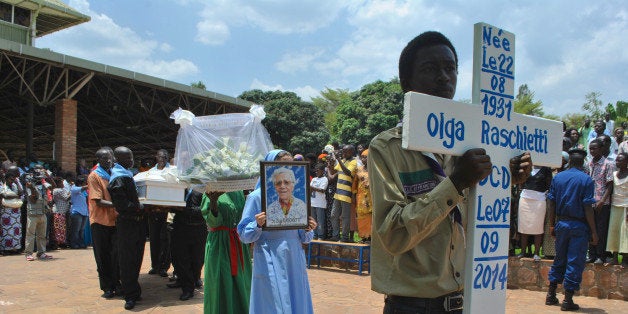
(165, 47)
(300, 61)
(212, 32)
(103, 40)
(276, 17)
(305, 92)
(175, 70)
(257, 84)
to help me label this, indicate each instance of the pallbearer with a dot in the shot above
(131, 230)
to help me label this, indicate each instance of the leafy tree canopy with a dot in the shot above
(199, 84)
(593, 105)
(292, 123)
(376, 107)
(524, 103)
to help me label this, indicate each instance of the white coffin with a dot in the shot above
(161, 193)
(160, 187)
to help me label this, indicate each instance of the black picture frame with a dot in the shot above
(296, 216)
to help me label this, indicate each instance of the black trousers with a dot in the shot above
(158, 236)
(408, 305)
(188, 253)
(131, 241)
(601, 225)
(106, 256)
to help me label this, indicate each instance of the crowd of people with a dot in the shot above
(409, 204)
(605, 147)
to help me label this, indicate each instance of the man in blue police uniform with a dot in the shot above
(571, 199)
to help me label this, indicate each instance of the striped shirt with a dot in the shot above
(345, 182)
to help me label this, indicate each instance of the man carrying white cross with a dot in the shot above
(419, 199)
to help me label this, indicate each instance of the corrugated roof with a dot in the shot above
(53, 15)
(50, 56)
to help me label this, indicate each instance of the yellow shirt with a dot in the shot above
(345, 182)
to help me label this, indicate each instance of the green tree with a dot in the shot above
(376, 107)
(199, 84)
(574, 120)
(621, 112)
(292, 123)
(329, 100)
(593, 105)
(525, 104)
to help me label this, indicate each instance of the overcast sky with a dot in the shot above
(564, 48)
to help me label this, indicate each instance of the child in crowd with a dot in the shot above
(318, 187)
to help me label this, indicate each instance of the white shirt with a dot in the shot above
(318, 199)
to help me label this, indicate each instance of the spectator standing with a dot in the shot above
(623, 146)
(569, 206)
(602, 174)
(10, 220)
(318, 186)
(61, 199)
(574, 136)
(617, 240)
(36, 219)
(359, 148)
(362, 199)
(79, 215)
(584, 131)
(345, 172)
(329, 193)
(610, 124)
(599, 129)
(617, 139)
(532, 206)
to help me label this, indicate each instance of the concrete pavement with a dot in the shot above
(69, 284)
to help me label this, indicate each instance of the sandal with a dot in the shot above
(30, 258)
(45, 256)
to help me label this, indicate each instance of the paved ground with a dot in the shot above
(69, 284)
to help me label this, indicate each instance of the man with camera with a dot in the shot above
(345, 171)
(36, 208)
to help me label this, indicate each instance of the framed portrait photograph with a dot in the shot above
(285, 194)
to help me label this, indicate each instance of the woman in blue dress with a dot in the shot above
(280, 283)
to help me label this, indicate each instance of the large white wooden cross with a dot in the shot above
(439, 125)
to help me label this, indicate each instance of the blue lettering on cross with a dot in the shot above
(450, 130)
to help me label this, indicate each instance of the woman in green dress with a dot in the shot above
(227, 260)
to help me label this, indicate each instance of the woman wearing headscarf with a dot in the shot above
(280, 283)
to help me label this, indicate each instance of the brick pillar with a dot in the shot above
(65, 134)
